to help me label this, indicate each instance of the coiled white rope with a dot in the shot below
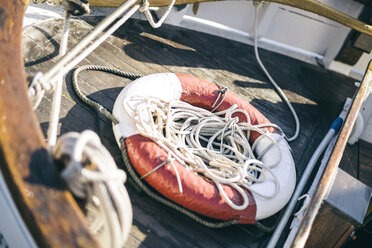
(91, 174)
(215, 145)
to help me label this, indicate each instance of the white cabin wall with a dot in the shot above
(234, 14)
(309, 31)
(285, 26)
(358, 70)
(283, 29)
(241, 27)
(281, 23)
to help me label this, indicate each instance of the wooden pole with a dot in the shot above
(48, 210)
(330, 171)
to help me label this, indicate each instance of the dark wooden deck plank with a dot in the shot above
(365, 157)
(137, 48)
(350, 160)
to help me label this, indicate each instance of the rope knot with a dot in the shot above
(223, 90)
(145, 6)
(37, 89)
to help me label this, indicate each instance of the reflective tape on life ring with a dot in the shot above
(199, 194)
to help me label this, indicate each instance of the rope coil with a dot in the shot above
(128, 165)
(215, 145)
(102, 185)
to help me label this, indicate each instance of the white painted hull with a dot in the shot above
(13, 231)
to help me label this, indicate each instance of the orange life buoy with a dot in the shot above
(200, 194)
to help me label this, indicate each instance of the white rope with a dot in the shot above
(305, 205)
(57, 95)
(109, 209)
(222, 91)
(145, 9)
(108, 204)
(101, 184)
(272, 81)
(215, 145)
(47, 82)
(85, 51)
(37, 89)
(39, 85)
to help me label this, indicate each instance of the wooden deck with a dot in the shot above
(316, 94)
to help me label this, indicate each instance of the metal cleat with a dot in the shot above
(75, 7)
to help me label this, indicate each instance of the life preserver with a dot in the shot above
(199, 194)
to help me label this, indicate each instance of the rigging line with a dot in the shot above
(334, 129)
(83, 48)
(46, 82)
(272, 81)
(62, 64)
(87, 50)
(90, 102)
(57, 95)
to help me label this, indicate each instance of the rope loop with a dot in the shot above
(145, 9)
(305, 204)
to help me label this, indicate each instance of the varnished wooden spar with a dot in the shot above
(49, 211)
(308, 5)
(333, 163)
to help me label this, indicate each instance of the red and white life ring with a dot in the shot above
(199, 194)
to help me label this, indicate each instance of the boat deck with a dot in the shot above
(316, 94)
